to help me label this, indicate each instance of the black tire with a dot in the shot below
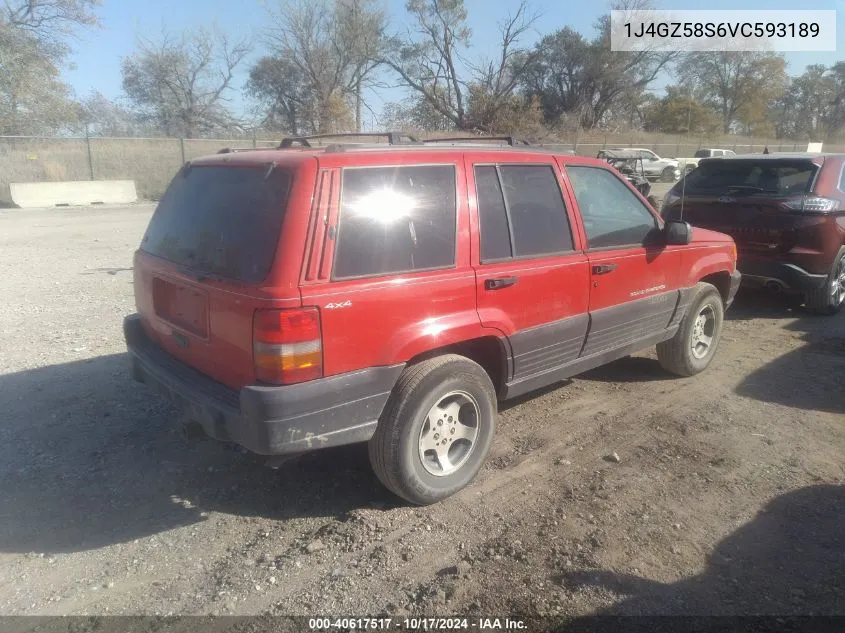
(667, 175)
(395, 448)
(676, 355)
(825, 301)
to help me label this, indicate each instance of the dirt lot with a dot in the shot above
(727, 496)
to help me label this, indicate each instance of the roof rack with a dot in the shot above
(510, 140)
(393, 138)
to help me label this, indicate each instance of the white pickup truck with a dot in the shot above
(688, 164)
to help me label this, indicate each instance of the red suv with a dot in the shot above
(307, 297)
(786, 213)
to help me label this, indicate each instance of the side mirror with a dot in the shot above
(678, 232)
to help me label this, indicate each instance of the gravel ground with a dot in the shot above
(622, 491)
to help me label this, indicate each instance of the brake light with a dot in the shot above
(287, 346)
(812, 205)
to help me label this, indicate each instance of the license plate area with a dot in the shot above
(182, 306)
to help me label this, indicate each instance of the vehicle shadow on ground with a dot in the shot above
(808, 378)
(629, 369)
(90, 458)
(754, 303)
(749, 305)
(787, 561)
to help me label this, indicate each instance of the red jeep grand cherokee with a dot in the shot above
(306, 297)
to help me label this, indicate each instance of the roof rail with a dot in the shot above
(510, 140)
(393, 138)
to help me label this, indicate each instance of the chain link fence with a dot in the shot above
(152, 162)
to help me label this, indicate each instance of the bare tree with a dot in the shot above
(33, 47)
(431, 60)
(360, 34)
(104, 117)
(334, 44)
(49, 19)
(182, 84)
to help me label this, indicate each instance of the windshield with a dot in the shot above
(752, 177)
(222, 220)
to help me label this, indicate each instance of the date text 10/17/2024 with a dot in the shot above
(416, 624)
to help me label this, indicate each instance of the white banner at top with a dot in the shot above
(710, 30)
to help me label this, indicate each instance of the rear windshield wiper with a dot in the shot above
(751, 189)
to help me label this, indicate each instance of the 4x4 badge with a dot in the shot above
(332, 306)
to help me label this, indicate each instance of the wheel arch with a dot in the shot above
(490, 352)
(722, 281)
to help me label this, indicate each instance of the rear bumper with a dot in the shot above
(736, 279)
(266, 420)
(790, 276)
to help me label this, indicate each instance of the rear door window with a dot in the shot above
(752, 177)
(222, 219)
(396, 219)
(521, 211)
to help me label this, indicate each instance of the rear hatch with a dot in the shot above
(208, 249)
(757, 201)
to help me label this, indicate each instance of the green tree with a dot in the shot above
(739, 85)
(680, 113)
(576, 76)
(281, 90)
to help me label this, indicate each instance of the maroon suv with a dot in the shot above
(786, 213)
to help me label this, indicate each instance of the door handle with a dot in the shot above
(495, 284)
(603, 269)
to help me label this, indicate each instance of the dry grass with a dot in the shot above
(151, 163)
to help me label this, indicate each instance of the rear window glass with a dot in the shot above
(222, 220)
(702, 153)
(762, 177)
(396, 219)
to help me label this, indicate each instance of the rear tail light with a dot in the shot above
(287, 346)
(813, 205)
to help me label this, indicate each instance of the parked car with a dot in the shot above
(306, 297)
(630, 165)
(656, 168)
(688, 164)
(786, 213)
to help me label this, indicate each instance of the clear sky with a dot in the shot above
(98, 53)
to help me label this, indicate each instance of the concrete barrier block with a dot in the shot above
(28, 195)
